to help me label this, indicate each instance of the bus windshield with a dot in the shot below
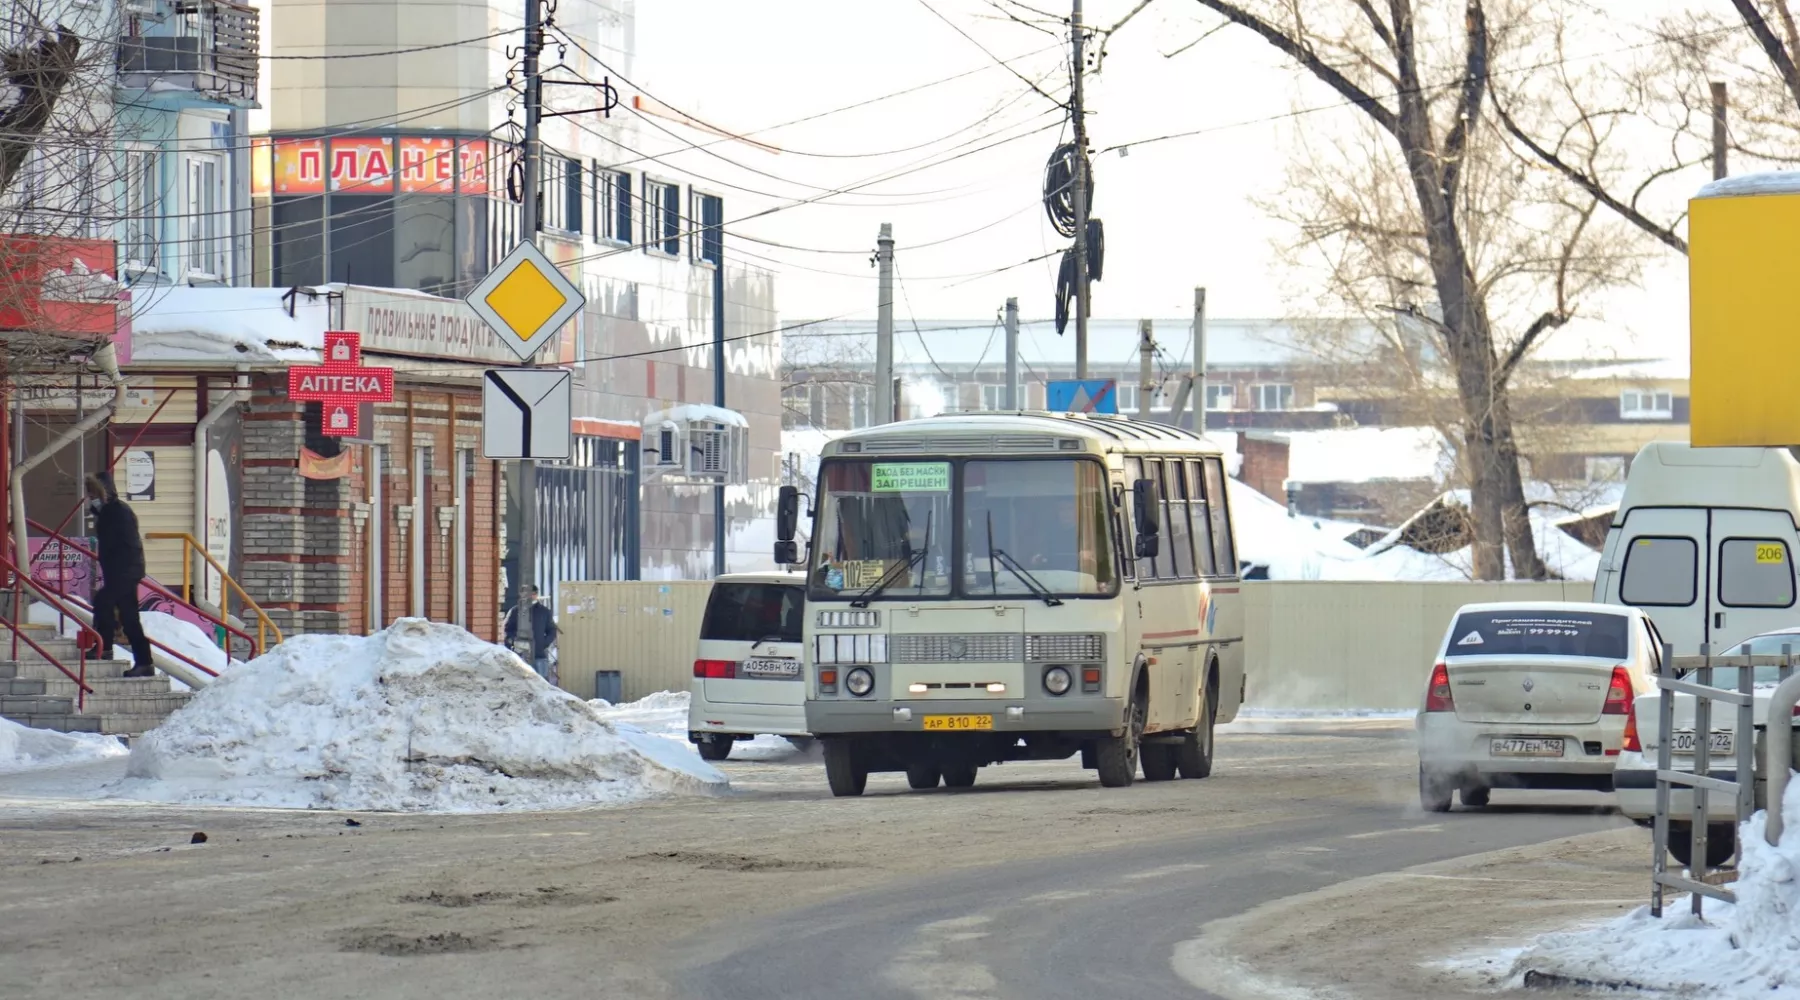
(1028, 527)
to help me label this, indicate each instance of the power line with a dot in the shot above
(990, 54)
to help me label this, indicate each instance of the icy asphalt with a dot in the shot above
(1035, 883)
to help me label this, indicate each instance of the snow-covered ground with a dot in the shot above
(664, 715)
(24, 749)
(419, 717)
(1748, 950)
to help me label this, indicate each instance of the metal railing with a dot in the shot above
(21, 582)
(1743, 789)
(216, 39)
(191, 546)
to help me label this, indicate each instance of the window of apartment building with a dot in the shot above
(85, 193)
(707, 212)
(993, 397)
(1128, 395)
(862, 404)
(560, 194)
(1272, 396)
(142, 187)
(797, 405)
(30, 183)
(662, 216)
(1643, 404)
(204, 208)
(1221, 397)
(612, 205)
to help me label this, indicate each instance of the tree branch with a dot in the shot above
(39, 73)
(1308, 59)
(1588, 184)
(1771, 45)
(1468, 106)
(1375, 22)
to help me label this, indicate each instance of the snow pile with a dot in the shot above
(1747, 950)
(23, 748)
(181, 636)
(418, 717)
(1293, 548)
(182, 323)
(1369, 454)
(665, 715)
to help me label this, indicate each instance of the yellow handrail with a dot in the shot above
(264, 624)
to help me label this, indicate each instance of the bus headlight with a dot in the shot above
(859, 682)
(1057, 680)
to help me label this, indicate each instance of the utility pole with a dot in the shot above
(528, 224)
(1012, 356)
(1146, 349)
(1720, 140)
(884, 325)
(1076, 112)
(1199, 378)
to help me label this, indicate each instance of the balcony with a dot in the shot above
(206, 48)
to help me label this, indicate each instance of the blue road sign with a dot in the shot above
(1074, 395)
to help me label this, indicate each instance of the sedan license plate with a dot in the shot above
(1519, 746)
(1685, 743)
(771, 667)
(958, 723)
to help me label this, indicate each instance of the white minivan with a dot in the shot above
(749, 674)
(1704, 543)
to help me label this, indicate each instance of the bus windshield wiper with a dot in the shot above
(1032, 583)
(887, 579)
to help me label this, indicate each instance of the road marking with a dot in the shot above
(1166, 870)
(1058, 896)
(1372, 834)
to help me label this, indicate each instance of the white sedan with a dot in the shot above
(1531, 695)
(1634, 778)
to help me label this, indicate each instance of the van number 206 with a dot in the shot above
(1775, 553)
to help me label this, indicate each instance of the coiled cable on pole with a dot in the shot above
(1059, 189)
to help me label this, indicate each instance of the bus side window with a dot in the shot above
(1136, 469)
(1200, 510)
(1119, 511)
(1224, 549)
(1176, 537)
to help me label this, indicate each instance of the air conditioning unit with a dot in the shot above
(697, 443)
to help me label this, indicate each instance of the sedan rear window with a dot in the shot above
(1540, 633)
(747, 612)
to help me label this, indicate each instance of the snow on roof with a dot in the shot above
(1769, 182)
(1665, 369)
(226, 325)
(1368, 454)
(693, 412)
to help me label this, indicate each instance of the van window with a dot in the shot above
(1755, 573)
(746, 612)
(1540, 633)
(1659, 572)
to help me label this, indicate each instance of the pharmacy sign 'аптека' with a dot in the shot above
(341, 384)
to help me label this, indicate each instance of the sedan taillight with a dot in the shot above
(1437, 694)
(1619, 693)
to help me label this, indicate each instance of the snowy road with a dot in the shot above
(1035, 883)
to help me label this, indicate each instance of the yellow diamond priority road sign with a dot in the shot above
(526, 300)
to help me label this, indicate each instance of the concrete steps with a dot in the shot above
(34, 692)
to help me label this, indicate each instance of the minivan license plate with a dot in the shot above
(1516, 746)
(771, 667)
(1685, 743)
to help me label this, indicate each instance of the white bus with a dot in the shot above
(1024, 586)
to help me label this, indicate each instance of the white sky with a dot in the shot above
(1179, 213)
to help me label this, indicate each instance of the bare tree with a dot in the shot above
(1421, 209)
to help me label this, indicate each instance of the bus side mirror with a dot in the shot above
(787, 513)
(787, 553)
(1146, 517)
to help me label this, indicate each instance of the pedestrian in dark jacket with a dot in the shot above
(542, 635)
(121, 551)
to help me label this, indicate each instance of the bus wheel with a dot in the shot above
(1195, 754)
(843, 770)
(1116, 757)
(1158, 760)
(960, 776)
(715, 747)
(922, 776)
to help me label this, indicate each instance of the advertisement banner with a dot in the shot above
(299, 166)
(473, 159)
(362, 165)
(427, 166)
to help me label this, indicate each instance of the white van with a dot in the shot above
(749, 674)
(1704, 543)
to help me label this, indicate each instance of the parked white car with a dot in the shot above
(1531, 695)
(1634, 778)
(749, 671)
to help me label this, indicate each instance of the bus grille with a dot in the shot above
(979, 647)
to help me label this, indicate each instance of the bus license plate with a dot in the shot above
(1525, 747)
(957, 723)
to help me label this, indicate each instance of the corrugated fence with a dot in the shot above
(1310, 646)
